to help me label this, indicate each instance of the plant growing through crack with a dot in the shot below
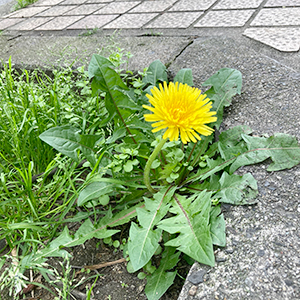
(163, 182)
(174, 204)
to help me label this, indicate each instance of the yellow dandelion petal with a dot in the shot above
(180, 109)
(171, 133)
(183, 135)
(158, 127)
(191, 135)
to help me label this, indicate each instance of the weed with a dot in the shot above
(23, 3)
(89, 32)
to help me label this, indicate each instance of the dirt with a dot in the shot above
(113, 282)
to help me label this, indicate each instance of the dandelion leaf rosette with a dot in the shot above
(283, 149)
(161, 280)
(225, 84)
(191, 223)
(217, 228)
(143, 237)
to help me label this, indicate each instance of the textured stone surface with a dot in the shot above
(47, 2)
(282, 3)
(269, 103)
(29, 11)
(131, 21)
(277, 17)
(237, 4)
(283, 39)
(30, 24)
(192, 5)
(84, 9)
(225, 18)
(91, 22)
(98, 1)
(73, 2)
(175, 20)
(59, 23)
(5, 23)
(216, 16)
(118, 7)
(152, 6)
(55, 11)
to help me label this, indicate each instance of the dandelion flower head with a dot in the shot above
(180, 109)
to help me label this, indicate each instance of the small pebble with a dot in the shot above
(197, 277)
(193, 290)
(261, 252)
(220, 259)
(288, 282)
(229, 251)
(248, 281)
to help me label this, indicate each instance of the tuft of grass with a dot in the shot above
(38, 186)
(23, 3)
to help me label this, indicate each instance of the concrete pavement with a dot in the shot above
(273, 22)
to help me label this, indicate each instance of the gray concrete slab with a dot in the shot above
(52, 51)
(262, 256)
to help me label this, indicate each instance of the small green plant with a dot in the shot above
(168, 189)
(90, 32)
(23, 3)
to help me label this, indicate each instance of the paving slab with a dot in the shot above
(175, 20)
(225, 18)
(237, 4)
(285, 3)
(262, 256)
(283, 39)
(286, 16)
(248, 17)
(192, 5)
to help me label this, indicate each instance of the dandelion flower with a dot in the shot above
(180, 109)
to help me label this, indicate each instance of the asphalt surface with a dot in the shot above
(261, 38)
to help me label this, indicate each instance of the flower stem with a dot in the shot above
(149, 163)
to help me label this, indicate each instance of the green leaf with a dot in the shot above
(67, 140)
(156, 72)
(213, 166)
(144, 239)
(117, 134)
(105, 78)
(237, 190)
(88, 143)
(283, 149)
(184, 76)
(160, 280)
(93, 191)
(128, 167)
(217, 226)
(86, 231)
(124, 216)
(225, 79)
(192, 224)
(53, 249)
(226, 83)
(229, 139)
